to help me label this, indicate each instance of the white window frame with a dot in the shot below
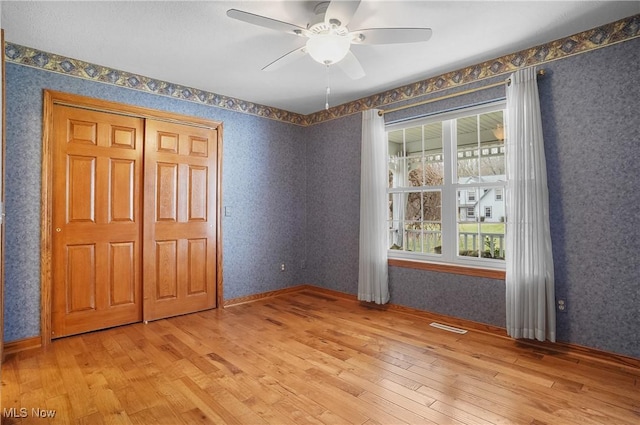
(449, 254)
(489, 210)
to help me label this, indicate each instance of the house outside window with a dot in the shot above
(446, 183)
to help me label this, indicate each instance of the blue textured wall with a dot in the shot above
(263, 184)
(591, 128)
(591, 121)
(333, 203)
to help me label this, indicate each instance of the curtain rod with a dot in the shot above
(540, 72)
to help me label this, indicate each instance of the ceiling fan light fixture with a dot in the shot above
(329, 48)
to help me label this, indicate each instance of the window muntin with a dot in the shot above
(446, 187)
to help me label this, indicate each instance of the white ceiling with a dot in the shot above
(195, 44)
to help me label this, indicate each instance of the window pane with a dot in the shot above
(492, 235)
(492, 162)
(432, 225)
(397, 172)
(396, 143)
(413, 236)
(396, 220)
(413, 141)
(432, 206)
(467, 149)
(468, 204)
(432, 238)
(413, 209)
(491, 205)
(434, 172)
(416, 171)
(468, 239)
(396, 161)
(395, 235)
(433, 155)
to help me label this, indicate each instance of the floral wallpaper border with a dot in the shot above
(622, 30)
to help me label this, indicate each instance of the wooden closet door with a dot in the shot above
(96, 220)
(180, 219)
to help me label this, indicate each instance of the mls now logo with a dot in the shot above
(23, 412)
(14, 412)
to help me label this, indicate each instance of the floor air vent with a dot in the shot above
(448, 328)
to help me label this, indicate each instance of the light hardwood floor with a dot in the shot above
(307, 357)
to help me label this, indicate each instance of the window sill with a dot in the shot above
(448, 268)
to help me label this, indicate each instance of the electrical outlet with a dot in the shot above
(561, 305)
(282, 268)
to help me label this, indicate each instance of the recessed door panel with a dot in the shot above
(197, 259)
(122, 269)
(123, 137)
(81, 278)
(166, 142)
(166, 269)
(167, 192)
(122, 190)
(82, 188)
(199, 146)
(197, 193)
(82, 132)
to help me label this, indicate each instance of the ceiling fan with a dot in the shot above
(329, 39)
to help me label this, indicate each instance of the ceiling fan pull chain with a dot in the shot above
(326, 104)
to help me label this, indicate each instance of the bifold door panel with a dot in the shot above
(180, 219)
(97, 218)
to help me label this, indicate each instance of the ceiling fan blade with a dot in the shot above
(391, 35)
(340, 12)
(263, 21)
(286, 59)
(351, 66)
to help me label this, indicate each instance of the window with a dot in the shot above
(446, 183)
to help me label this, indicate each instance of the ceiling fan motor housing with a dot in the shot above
(318, 24)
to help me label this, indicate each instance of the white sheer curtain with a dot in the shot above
(398, 168)
(530, 294)
(373, 277)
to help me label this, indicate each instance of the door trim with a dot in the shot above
(52, 98)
